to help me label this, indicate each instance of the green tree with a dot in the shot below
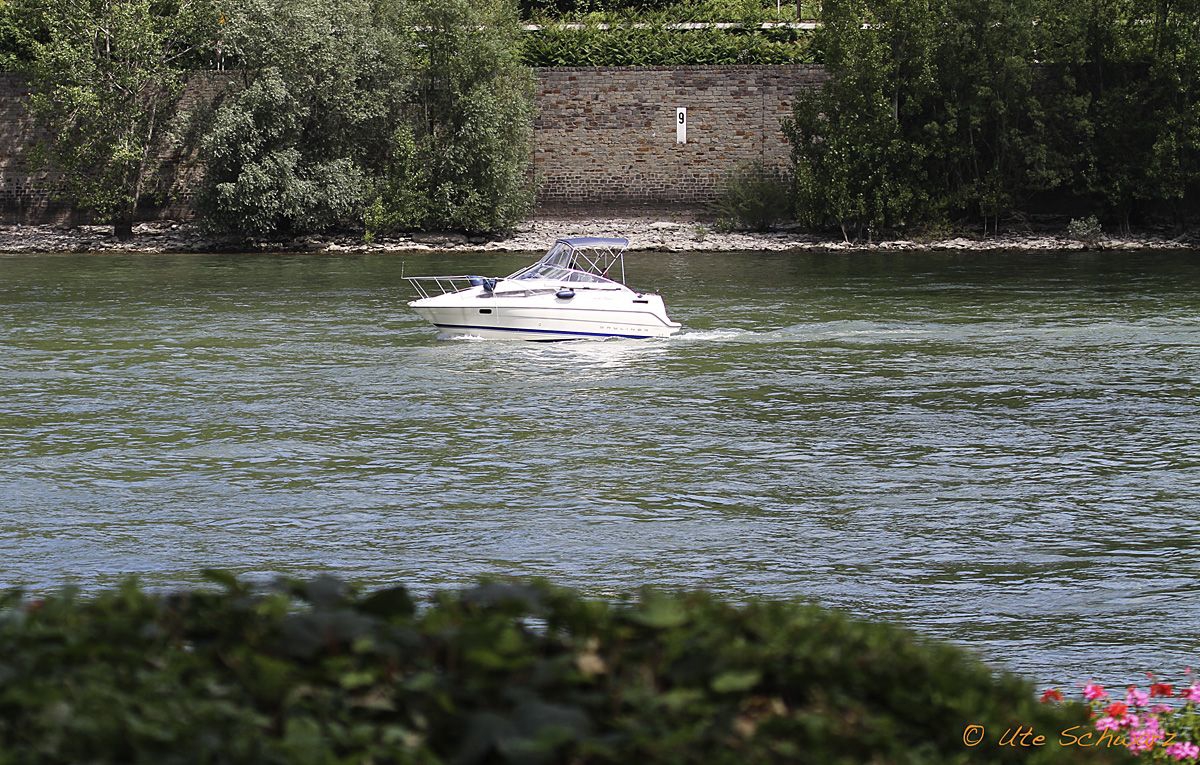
(105, 83)
(462, 159)
(1174, 165)
(856, 163)
(1133, 67)
(984, 66)
(14, 39)
(322, 87)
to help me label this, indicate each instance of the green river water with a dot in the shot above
(1002, 450)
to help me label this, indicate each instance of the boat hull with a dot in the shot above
(542, 318)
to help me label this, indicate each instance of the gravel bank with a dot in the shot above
(671, 234)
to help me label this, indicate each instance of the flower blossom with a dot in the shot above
(1137, 698)
(1108, 723)
(1144, 738)
(1166, 690)
(1117, 709)
(1191, 694)
(1094, 692)
(1184, 750)
(1051, 694)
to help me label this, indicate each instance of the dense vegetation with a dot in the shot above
(416, 114)
(635, 44)
(104, 87)
(949, 110)
(524, 673)
(675, 10)
(654, 33)
(397, 114)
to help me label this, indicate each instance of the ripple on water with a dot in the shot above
(1003, 451)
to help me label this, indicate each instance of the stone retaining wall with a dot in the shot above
(605, 136)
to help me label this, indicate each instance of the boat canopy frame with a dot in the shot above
(580, 259)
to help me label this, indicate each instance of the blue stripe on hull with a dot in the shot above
(541, 331)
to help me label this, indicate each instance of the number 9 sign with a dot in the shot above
(681, 124)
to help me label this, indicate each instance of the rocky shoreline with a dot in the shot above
(662, 233)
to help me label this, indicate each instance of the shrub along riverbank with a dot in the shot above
(524, 673)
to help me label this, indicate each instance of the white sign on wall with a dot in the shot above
(681, 124)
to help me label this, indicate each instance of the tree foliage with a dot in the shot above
(408, 113)
(315, 672)
(294, 148)
(105, 83)
(15, 41)
(951, 109)
(402, 115)
(461, 160)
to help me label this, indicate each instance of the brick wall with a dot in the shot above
(607, 134)
(603, 136)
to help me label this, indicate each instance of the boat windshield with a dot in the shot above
(580, 260)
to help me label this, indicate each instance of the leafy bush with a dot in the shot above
(566, 8)
(318, 673)
(1086, 230)
(754, 197)
(260, 179)
(665, 10)
(294, 149)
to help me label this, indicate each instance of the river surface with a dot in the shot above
(1002, 450)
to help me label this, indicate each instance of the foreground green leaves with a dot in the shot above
(314, 672)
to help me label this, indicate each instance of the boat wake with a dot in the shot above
(711, 335)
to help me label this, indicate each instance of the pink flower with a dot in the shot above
(1161, 709)
(1183, 750)
(1136, 698)
(1191, 694)
(1144, 739)
(1107, 723)
(1094, 692)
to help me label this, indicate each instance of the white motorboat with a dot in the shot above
(576, 290)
